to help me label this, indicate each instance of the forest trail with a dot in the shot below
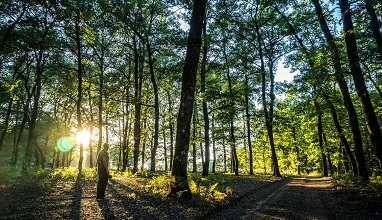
(310, 198)
(301, 198)
(258, 197)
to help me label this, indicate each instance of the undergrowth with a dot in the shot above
(351, 182)
(207, 189)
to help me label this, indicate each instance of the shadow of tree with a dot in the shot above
(107, 212)
(75, 207)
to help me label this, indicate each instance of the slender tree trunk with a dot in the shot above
(268, 114)
(204, 101)
(354, 125)
(360, 85)
(35, 109)
(6, 123)
(297, 150)
(224, 155)
(165, 150)
(137, 99)
(342, 135)
(320, 140)
(170, 121)
(90, 144)
(144, 142)
(232, 143)
(328, 151)
(187, 100)
(79, 90)
(374, 25)
(234, 158)
(100, 106)
(248, 120)
(156, 108)
(213, 146)
(194, 165)
(126, 135)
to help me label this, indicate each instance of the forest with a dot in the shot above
(190, 86)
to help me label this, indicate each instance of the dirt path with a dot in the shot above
(309, 198)
(300, 198)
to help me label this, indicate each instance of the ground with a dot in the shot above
(252, 197)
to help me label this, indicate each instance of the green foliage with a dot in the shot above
(160, 184)
(209, 188)
(65, 173)
(71, 173)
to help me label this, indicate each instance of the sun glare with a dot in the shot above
(83, 137)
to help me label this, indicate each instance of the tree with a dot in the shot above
(357, 138)
(359, 82)
(179, 170)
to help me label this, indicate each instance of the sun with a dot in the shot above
(83, 137)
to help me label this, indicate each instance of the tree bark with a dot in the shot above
(137, 99)
(374, 25)
(320, 138)
(170, 121)
(341, 135)
(79, 88)
(156, 107)
(6, 123)
(248, 120)
(213, 146)
(360, 85)
(187, 100)
(204, 101)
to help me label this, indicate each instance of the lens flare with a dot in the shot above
(65, 144)
(83, 137)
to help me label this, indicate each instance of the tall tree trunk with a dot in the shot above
(145, 134)
(329, 159)
(360, 85)
(100, 104)
(90, 144)
(194, 165)
(232, 143)
(79, 89)
(320, 138)
(126, 135)
(137, 99)
(187, 100)
(268, 114)
(297, 150)
(234, 158)
(354, 125)
(165, 154)
(213, 146)
(156, 108)
(374, 25)
(203, 73)
(224, 154)
(248, 120)
(6, 123)
(35, 109)
(170, 121)
(342, 135)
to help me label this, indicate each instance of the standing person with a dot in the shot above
(103, 171)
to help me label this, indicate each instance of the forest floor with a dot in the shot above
(250, 197)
